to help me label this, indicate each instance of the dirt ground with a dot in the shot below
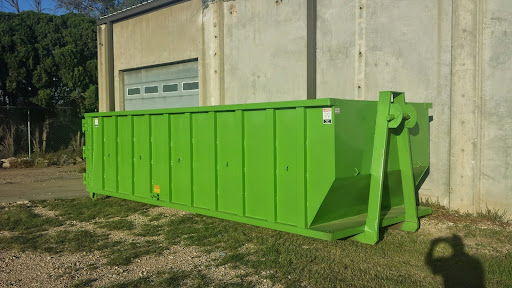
(26, 184)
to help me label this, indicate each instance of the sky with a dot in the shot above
(48, 6)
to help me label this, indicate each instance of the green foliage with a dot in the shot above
(48, 60)
(96, 8)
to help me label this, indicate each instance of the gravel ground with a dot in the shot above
(32, 269)
(31, 175)
(26, 184)
(29, 269)
(37, 269)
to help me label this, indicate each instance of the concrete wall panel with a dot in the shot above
(369, 46)
(336, 49)
(496, 102)
(264, 51)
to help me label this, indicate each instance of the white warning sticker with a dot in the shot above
(327, 115)
(96, 123)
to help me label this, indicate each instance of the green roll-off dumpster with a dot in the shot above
(325, 168)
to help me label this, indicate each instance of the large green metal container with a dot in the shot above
(326, 168)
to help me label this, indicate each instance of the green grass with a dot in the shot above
(149, 230)
(116, 252)
(175, 279)
(125, 253)
(21, 218)
(171, 279)
(117, 225)
(84, 283)
(72, 241)
(290, 260)
(103, 208)
(495, 217)
(157, 217)
(295, 261)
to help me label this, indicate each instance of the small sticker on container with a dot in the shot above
(327, 115)
(96, 122)
(156, 188)
(336, 110)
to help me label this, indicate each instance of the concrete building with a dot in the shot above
(454, 53)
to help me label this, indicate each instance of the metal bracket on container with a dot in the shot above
(84, 125)
(391, 113)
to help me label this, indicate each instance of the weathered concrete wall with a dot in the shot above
(105, 89)
(496, 106)
(465, 98)
(453, 53)
(368, 46)
(408, 49)
(264, 51)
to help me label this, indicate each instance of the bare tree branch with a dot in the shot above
(37, 6)
(14, 4)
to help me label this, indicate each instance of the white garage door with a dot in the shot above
(168, 86)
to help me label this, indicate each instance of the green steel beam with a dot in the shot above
(371, 229)
(404, 157)
(392, 113)
(326, 102)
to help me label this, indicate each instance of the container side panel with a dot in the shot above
(204, 160)
(181, 162)
(355, 129)
(259, 166)
(392, 194)
(125, 154)
(354, 132)
(88, 153)
(301, 168)
(286, 145)
(110, 153)
(419, 137)
(97, 155)
(320, 160)
(141, 146)
(160, 157)
(230, 184)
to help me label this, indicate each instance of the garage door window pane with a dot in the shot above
(133, 91)
(150, 89)
(170, 88)
(190, 86)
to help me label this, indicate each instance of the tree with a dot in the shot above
(48, 61)
(13, 3)
(96, 8)
(37, 6)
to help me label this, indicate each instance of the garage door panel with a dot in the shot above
(164, 102)
(169, 86)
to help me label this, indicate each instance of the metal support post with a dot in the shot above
(28, 132)
(392, 113)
